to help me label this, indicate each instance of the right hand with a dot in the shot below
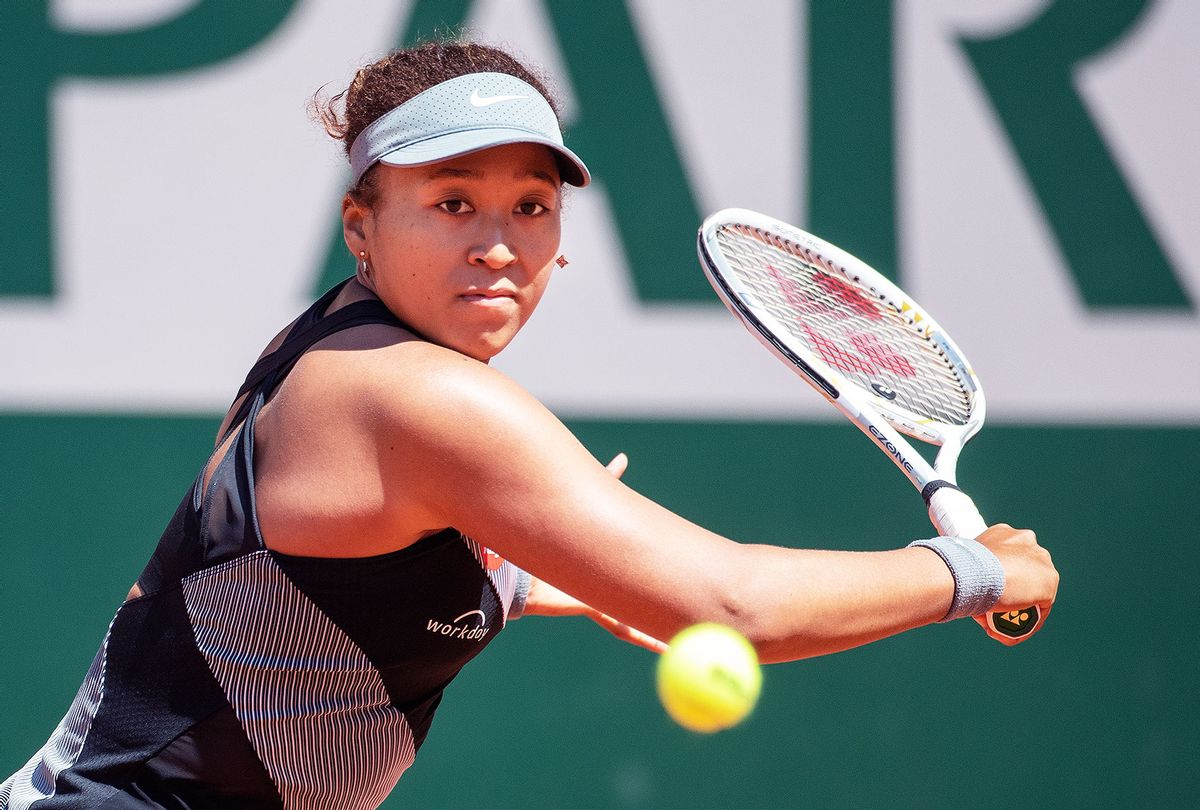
(1030, 577)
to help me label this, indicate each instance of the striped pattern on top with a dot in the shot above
(36, 780)
(312, 705)
(500, 572)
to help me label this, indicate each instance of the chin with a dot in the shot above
(484, 347)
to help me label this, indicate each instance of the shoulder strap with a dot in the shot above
(303, 336)
(309, 328)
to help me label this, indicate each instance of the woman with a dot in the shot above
(378, 492)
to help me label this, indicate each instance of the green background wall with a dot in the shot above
(904, 130)
(1099, 710)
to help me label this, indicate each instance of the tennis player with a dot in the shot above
(381, 502)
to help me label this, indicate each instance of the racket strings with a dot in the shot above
(871, 341)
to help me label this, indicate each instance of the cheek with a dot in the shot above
(534, 290)
(543, 247)
(537, 289)
(415, 263)
(543, 266)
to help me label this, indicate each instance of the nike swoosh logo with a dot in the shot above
(486, 101)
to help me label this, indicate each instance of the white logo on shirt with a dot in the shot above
(461, 627)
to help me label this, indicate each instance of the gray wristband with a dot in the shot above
(517, 609)
(978, 575)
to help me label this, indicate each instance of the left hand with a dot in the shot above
(546, 600)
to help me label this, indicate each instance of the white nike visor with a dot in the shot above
(463, 115)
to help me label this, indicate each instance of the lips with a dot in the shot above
(489, 295)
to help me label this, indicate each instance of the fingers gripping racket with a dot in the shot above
(868, 348)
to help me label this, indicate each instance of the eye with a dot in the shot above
(456, 207)
(531, 209)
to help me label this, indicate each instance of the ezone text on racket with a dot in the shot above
(891, 448)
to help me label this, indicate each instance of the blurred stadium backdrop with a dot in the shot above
(168, 205)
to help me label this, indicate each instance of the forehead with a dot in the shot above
(516, 161)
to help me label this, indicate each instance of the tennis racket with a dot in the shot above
(868, 348)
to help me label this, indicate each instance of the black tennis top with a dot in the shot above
(243, 677)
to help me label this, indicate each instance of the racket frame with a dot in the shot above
(882, 421)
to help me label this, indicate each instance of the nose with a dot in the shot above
(497, 256)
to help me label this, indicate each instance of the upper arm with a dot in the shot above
(473, 450)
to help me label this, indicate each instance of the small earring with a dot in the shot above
(561, 261)
(364, 269)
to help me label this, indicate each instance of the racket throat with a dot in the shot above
(934, 486)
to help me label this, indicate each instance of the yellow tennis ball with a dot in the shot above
(709, 678)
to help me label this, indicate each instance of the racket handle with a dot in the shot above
(954, 514)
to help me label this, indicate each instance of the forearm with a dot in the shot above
(797, 603)
(790, 603)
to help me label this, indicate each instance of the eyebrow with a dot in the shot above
(473, 174)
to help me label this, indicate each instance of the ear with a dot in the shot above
(354, 231)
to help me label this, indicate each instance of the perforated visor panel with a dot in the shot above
(847, 325)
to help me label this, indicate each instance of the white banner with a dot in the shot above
(192, 213)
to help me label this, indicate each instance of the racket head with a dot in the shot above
(852, 333)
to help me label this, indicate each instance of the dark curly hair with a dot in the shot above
(389, 82)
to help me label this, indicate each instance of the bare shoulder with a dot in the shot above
(422, 404)
(415, 407)
(370, 425)
(387, 375)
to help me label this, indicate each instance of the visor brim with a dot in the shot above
(455, 144)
